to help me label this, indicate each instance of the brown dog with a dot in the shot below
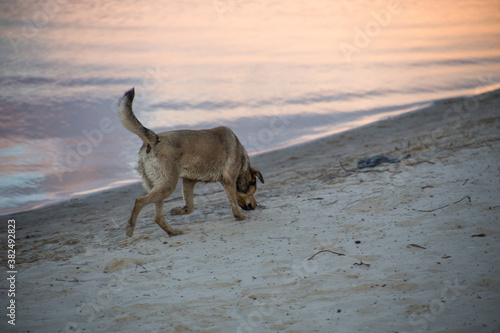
(212, 155)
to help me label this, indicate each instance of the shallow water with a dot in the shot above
(278, 73)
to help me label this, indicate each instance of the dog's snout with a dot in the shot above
(248, 206)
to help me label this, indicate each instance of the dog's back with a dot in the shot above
(202, 155)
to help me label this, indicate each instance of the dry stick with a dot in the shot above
(145, 254)
(75, 280)
(424, 161)
(141, 266)
(330, 203)
(416, 245)
(361, 264)
(366, 196)
(376, 170)
(348, 171)
(339, 254)
(432, 210)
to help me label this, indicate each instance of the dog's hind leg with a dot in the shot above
(188, 194)
(230, 187)
(157, 195)
(140, 203)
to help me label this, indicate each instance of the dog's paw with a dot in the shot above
(240, 217)
(175, 232)
(180, 211)
(129, 231)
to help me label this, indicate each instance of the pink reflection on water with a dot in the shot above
(268, 57)
(325, 131)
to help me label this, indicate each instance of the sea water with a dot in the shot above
(277, 72)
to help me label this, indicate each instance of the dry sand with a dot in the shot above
(420, 242)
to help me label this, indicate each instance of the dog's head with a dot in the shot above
(246, 187)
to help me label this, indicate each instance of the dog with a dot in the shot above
(210, 155)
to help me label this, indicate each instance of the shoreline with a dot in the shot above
(329, 248)
(110, 186)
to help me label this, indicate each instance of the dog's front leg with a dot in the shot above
(230, 188)
(162, 222)
(188, 194)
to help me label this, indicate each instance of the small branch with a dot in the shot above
(314, 255)
(376, 170)
(432, 210)
(75, 280)
(419, 162)
(340, 162)
(330, 203)
(367, 196)
(416, 245)
(145, 269)
(361, 264)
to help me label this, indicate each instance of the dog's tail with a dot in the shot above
(130, 121)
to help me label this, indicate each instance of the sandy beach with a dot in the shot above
(400, 247)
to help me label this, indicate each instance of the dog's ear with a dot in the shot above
(259, 175)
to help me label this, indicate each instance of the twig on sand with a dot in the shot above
(419, 162)
(361, 264)
(340, 162)
(376, 170)
(145, 254)
(432, 210)
(416, 245)
(314, 255)
(74, 280)
(145, 269)
(366, 196)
